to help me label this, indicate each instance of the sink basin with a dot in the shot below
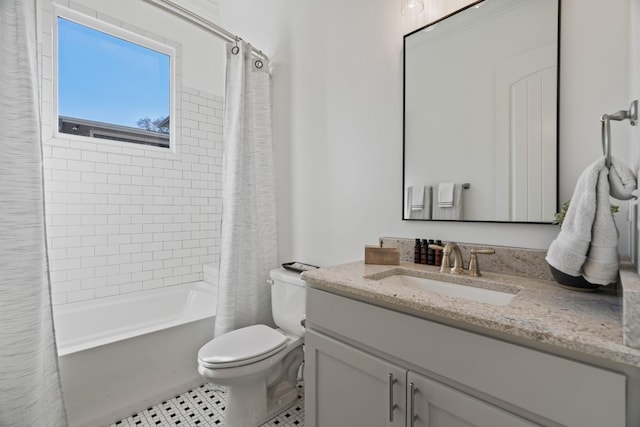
(471, 293)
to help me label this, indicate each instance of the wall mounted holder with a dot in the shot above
(631, 114)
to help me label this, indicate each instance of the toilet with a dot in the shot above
(258, 364)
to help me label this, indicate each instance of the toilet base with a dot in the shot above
(246, 404)
(281, 397)
(257, 399)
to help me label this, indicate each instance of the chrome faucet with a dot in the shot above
(458, 261)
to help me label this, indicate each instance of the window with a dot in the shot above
(112, 84)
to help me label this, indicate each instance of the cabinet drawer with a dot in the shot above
(567, 392)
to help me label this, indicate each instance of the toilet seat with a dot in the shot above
(241, 347)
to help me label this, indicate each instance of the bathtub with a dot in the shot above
(119, 355)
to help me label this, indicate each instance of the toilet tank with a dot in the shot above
(288, 300)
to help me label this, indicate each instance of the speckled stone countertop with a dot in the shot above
(541, 311)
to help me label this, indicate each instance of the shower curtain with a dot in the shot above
(30, 392)
(248, 248)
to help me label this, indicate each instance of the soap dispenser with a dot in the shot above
(417, 251)
(438, 254)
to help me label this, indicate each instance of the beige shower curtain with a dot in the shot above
(30, 392)
(248, 248)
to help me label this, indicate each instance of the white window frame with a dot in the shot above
(132, 37)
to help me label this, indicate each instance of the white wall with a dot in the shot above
(338, 117)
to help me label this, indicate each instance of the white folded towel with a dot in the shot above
(408, 200)
(417, 204)
(453, 212)
(445, 194)
(587, 244)
(424, 212)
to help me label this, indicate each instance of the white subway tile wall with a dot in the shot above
(126, 219)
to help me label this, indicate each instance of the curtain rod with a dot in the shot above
(185, 13)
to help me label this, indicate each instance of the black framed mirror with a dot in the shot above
(480, 138)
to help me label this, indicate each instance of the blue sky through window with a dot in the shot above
(107, 79)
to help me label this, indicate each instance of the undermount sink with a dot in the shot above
(471, 293)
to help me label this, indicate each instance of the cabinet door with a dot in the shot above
(433, 404)
(347, 387)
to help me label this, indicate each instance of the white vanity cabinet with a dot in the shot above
(351, 387)
(371, 366)
(354, 388)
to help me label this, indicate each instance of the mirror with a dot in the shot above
(480, 112)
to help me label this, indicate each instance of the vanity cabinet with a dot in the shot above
(372, 366)
(354, 388)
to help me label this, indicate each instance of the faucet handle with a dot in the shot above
(487, 251)
(474, 269)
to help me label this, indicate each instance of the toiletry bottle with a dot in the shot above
(423, 251)
(417, 252)
(438, 254)
(431, 254)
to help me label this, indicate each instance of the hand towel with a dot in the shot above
(445, 194)
(425, 213)
(601, 265)
(455, 211)
(408, 200)
(417, 204)
(622, 180)
(588, 240)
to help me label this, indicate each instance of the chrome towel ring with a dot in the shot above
(631, 114)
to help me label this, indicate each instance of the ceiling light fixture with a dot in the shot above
(412, 7)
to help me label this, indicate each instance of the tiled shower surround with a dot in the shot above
(124, 218)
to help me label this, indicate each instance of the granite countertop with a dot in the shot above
(542, 311)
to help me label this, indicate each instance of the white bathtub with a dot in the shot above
(121, 354)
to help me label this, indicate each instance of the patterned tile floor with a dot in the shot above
(204, 407)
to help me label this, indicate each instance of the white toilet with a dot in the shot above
(258, 364)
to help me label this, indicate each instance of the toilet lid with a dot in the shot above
(241, 347)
